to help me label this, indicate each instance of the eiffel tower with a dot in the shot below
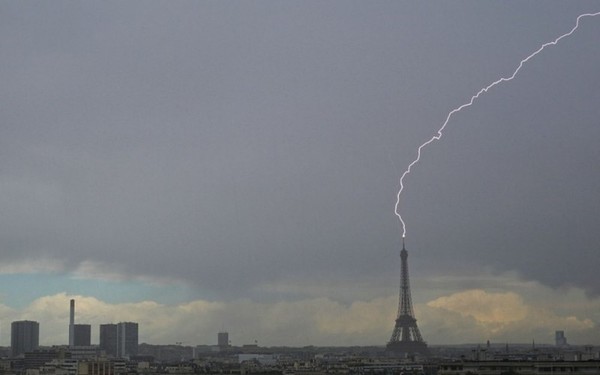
(406, 338)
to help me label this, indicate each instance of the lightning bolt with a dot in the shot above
(470, 103)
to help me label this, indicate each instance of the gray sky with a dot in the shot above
(242, 153)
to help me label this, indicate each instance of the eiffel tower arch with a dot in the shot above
(406, 338)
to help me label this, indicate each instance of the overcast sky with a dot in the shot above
(199, 166)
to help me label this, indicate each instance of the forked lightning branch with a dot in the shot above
(438, 136)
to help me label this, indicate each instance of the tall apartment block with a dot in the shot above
(127, 339)
(82, 335)
(24, 337)
(223, 340)
(108, 339)
(119, 340)
(560, 339)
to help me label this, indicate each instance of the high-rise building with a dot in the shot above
(560, 339)
(223, 339)
(406, 338)
(82, 335)
(108, 339)
(127, 339)
(24, 337)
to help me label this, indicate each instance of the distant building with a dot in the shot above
(263, 359)
(518, 367)
(84, 352)
(37, 358)
(82, 335)
(127, 339)
(24, 337)
(223, 340)
(119, 340)
(560, 339)
(98, 367)
(90, 366)
(108, 339)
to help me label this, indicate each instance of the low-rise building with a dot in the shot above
(519, 367)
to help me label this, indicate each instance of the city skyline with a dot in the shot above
(202, 167)
(112, 338)
(120, 340)
(117, 340)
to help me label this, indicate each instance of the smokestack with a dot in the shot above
(72, 324)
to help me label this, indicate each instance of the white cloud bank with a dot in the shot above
(318, 321)
(473, 315)
(505, 316)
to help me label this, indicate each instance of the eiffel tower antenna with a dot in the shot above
(406, 338)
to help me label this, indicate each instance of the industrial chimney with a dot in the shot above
(72, 324)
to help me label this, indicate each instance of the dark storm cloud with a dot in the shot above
(231, 145)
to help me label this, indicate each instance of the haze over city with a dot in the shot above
(206, 166)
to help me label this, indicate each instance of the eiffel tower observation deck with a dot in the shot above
(406, 338)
